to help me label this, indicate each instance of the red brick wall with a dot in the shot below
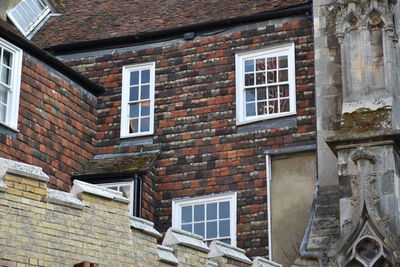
(56, 124)
(201, 149)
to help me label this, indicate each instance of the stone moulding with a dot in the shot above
(220, 249)
(82, 187)
(263, 262)
(22, 169)
(144, 226)
(166, 254)
(184, 238)
(64, 198)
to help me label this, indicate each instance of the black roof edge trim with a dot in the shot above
(52, 61)
(127, 40)
(107, 176)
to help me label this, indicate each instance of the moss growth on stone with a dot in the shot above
(365, 120)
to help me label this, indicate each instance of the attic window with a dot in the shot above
(28, 14)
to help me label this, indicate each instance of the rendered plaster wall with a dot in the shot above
(292, 187)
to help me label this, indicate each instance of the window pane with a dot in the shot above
(249, 65)
(3, 94)
(199, 213)
(226, 241)
(199, 229)
(284, 105)
(126, 191)
(261, 93)
(284, 90)
(261, 108)
(224, 228)
(2, 113)
(271, 63)
(134, 110)
(145, 76)
(212, 211)
(145, 108)
(271, 76)
(7, 58)
(134, 77)
(250, 109)
(145, 124)
(187, 227)
(212, 230)
(260, 78)
(250, 95)
(272, 92)
(224, 210)
(283, 75)
(273, 107)
(133, 126)
(113, 188)
(249, 79)
(145, 92)
(187, 214)
(134, 93)
(6, 75)
(260, 64)
(283, 62)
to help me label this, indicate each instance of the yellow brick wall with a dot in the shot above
(35, 232)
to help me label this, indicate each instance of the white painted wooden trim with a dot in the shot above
(229, 196)
(285, 49)
(126, 70)
(269, 179)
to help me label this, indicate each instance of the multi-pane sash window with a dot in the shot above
(28, 14)
(137, 109)
(10, 76)
(265, 84)
(213, 217)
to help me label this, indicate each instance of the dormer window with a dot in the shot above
(28, 14)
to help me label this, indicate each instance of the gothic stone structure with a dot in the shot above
(207, 116)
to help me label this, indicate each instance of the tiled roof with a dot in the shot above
(118, 165)
(103, 19)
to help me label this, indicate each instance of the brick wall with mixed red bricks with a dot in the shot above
(56, 123)
(202, 151)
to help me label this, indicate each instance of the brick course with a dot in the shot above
(202, 150)
(56, 123)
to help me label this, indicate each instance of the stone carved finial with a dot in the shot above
(363, 153)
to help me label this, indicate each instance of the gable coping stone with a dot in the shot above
(263, 262)
(220, 249)
(179, 237)
(144, 226)
(82, 187)
(64, 198)
(165, 254)
(26, 170)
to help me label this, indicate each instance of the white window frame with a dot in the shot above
(177, 205)
(40, 18)
(132, 188)
(126, 70)
(285, 49)
(15, 85)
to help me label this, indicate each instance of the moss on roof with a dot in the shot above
(129, 163)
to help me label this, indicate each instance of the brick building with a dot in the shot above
(189, 109)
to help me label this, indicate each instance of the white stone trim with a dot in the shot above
(82, 187)
(263, 262)
(165, 254)
(22, 169)
(184, 238)
(3, 186)
(144, 225)
(64, 198)
(212, 264)
(220, 249)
